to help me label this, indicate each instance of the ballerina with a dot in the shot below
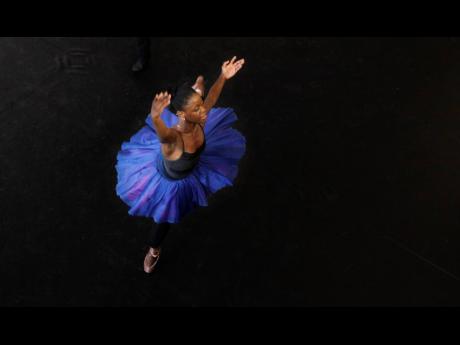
(186, 151)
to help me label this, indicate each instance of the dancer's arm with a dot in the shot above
(229, 69)
(165, 134)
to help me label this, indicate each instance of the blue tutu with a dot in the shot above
(144, 187)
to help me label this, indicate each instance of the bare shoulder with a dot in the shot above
(170, 145)
(171, 136)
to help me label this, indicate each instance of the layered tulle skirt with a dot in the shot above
(149, 192)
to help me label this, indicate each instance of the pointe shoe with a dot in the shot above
(151, 260)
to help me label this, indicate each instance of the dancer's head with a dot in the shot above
(187, 103)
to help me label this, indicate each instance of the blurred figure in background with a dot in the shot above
(143, 54)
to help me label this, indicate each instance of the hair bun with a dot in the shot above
(180, 93)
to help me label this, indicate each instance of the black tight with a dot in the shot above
(157, 234)
(143, 48)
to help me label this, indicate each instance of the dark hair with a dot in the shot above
(180, 96)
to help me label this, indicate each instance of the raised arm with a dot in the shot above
(229, 69)
(160, 102)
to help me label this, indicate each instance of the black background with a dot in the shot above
(347, 195)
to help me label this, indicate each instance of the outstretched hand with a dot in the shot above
(160, 102)
(230, 68)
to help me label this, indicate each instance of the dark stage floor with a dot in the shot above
(348, 195)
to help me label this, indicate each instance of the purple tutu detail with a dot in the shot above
(148, 193)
